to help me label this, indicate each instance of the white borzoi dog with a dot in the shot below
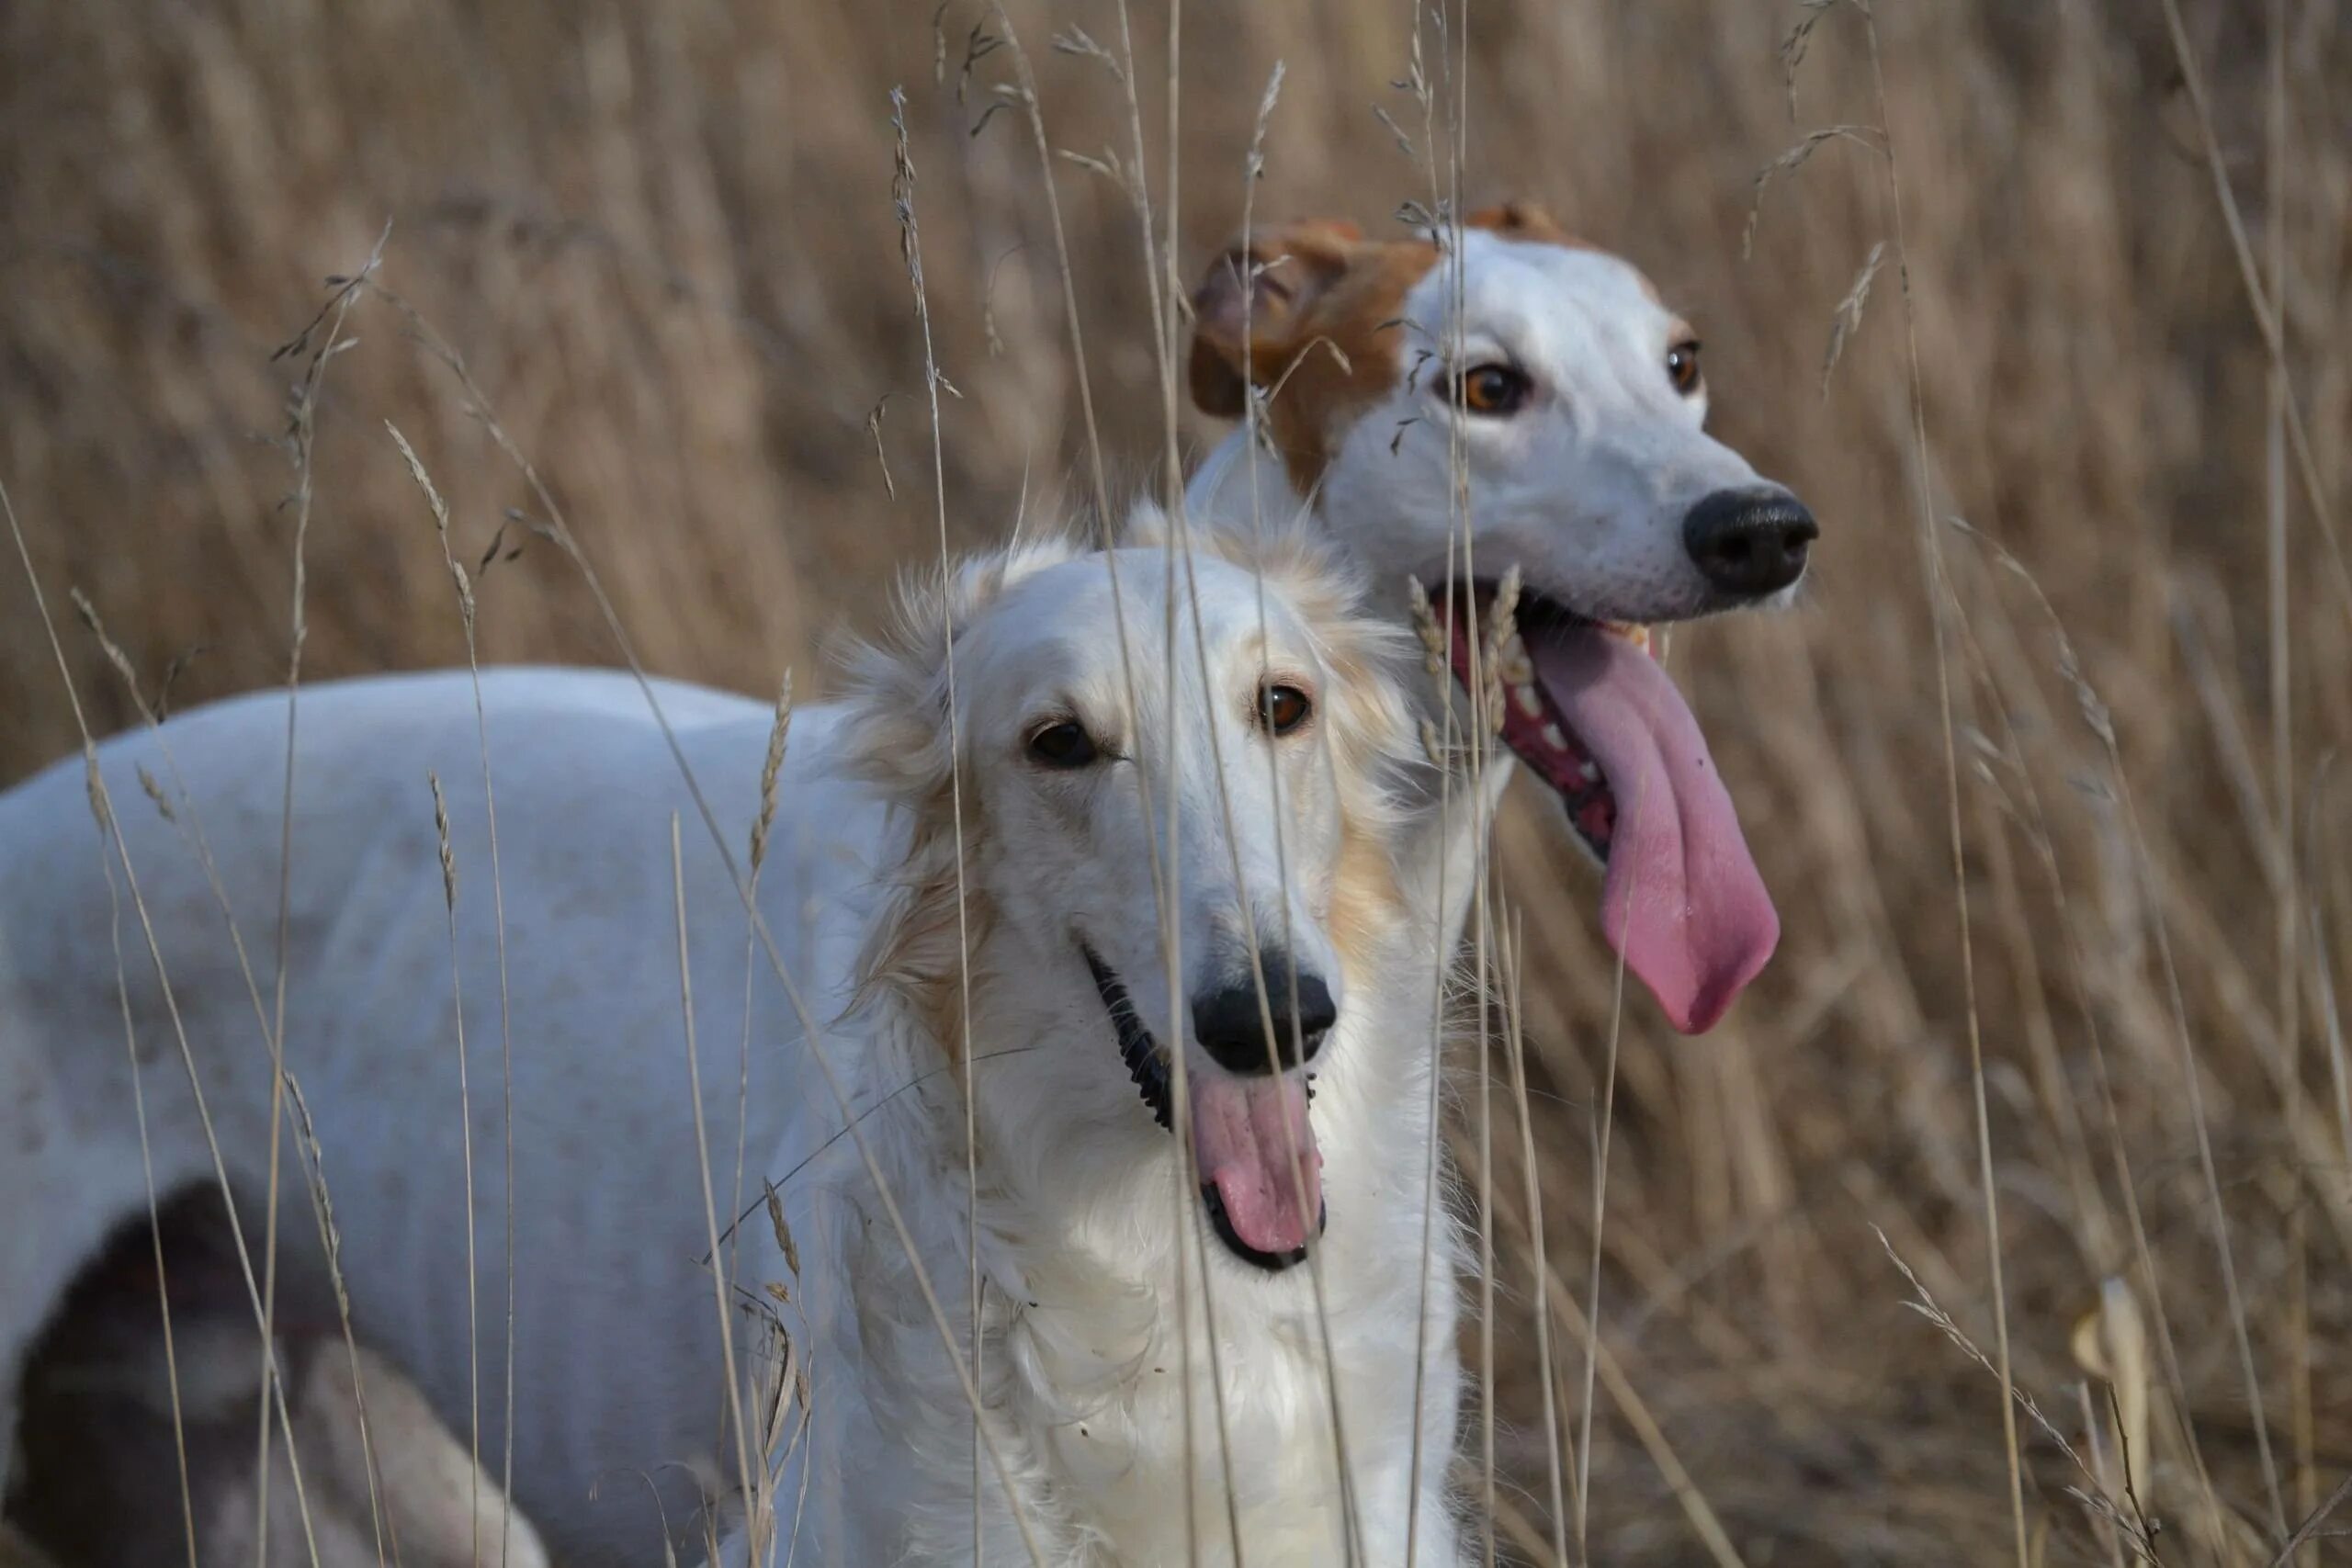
(1257, 765)
(1572, 398)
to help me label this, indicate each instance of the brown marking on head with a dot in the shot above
(1317, 304)
(1523, 220)
(1527, 221)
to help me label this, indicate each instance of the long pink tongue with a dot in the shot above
(1244, 1131)
(1683, 902)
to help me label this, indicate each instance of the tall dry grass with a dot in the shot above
(662, 238)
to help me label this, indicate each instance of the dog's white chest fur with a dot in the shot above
(1089, 1362)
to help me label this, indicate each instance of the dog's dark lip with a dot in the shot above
(1538, 610)
(1530, 724)
(1272, 1262)
(1137, 1047)
(1148, 1068)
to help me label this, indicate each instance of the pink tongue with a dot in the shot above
(1244, 1131)
(1683, 902)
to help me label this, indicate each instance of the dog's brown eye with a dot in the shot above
(1493, 388)
(1682, 367)
(1284, 708)
(1063, 745)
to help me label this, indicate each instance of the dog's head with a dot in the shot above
(1164, 845)
(1572, 400)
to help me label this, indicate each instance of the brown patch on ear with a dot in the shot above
(1368, 726)
(1262, 292)
(1350, 353)
(1218, 389)
(1321, 304)
(1366, 899)
(917, 953)
(1371, 731)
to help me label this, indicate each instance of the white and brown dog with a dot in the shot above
(1544, 383)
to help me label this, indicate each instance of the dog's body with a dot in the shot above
(619, 1364)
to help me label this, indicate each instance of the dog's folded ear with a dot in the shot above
(1262, 293)
(899, 735)
(895, 687)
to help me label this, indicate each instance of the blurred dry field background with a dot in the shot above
(662, 239)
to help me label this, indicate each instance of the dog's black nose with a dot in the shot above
(1230, 1028)
(1749, 543)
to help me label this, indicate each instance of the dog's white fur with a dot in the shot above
(617, 1360)
(1346, 351)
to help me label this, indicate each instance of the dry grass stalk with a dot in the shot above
(468, 616)
(102, 811)
(185, 816)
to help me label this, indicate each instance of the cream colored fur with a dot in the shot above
(618, 1368)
